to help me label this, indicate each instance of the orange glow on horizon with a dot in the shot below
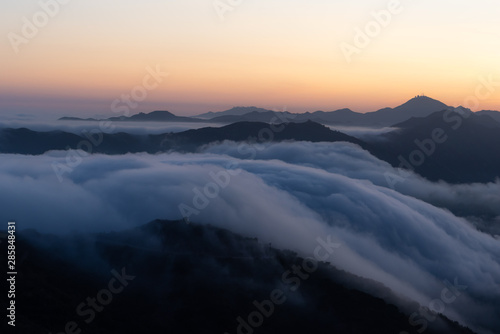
(290, 58)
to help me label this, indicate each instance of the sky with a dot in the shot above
(273, 54)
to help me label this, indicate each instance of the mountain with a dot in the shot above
(256, 116)
(492, 113)
(446, 145)
(169, 276)
(250, 131)
(235, 111)
(70, 118)
(154, 116)
(454, 117)
(26, 141)
(345, 116)
(341, 116)
(419, 106)
(463, 150)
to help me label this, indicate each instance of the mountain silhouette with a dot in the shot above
(464, 151)
(256, 116)
(235, 111)
(419, 106)
(154, 116)
(25, 141)
(189, 278)
(250, 131)
(457, 147)
(492, 113)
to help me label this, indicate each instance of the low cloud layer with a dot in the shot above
(76, 127)
(290, 195)
(365, 133)
(479, 202)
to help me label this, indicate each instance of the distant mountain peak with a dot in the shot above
(422, 97)
(421, 105)
(422, 100)
(160, 112)
(234, 111)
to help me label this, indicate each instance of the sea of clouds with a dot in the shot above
(289, 194)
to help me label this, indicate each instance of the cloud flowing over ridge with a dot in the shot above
(290, 195)
(479, 201)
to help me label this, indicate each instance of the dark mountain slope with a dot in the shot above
(25, 141)
(492, 113)
(256, 116)
(235, 111)
(446, 146)
(420, 106)
(190, 279)
(257, 132)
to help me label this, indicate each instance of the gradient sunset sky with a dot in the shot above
(266, 53)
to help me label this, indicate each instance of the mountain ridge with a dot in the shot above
(25, 141)
(154, 116)
(170, 260)
(456, 146)
(416, 107)
(419, 106)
